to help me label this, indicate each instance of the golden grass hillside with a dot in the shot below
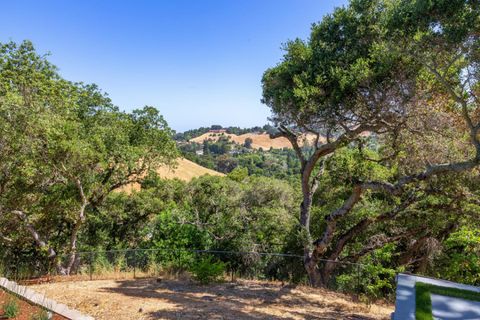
(259, 140)
(185, 170)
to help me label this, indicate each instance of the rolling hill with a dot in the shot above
(259, 140)
(186, 170)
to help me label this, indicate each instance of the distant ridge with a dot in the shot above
(259, 140)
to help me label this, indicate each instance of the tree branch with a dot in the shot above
(285, 132)
(363, 224)
(39, 240)
(5, 238)
(322, 243)
(378, 243)
(474, 129)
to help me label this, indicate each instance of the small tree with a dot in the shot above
(206, 147)
(216, 127)
(226, 163)
(206, 270)
(248, 143)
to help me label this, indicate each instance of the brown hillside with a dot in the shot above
(185, 170)
(260, 140)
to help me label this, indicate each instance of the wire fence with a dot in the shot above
(146, 263)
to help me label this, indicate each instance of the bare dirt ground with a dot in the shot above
(174, 299)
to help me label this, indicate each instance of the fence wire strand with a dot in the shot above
(140, 263)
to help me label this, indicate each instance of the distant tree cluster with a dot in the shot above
(224, 156)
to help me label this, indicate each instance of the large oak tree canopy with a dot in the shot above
(63, 148)
(344, 76)
(403, 73)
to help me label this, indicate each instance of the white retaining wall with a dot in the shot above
(39, 299)
(405, 294)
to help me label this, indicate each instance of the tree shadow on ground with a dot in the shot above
(240, 300)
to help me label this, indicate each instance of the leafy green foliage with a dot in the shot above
(374, 281)
(218, 213)
(238, 174)
(65, 147)
(425, 64)
(11, 308)
(319, 80)
(374, 277)
(277, 163)
(42, 315)
(207, 270)
(461, 259)
(248, 143)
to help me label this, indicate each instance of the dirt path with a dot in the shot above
(169, 299)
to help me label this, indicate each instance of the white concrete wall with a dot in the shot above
(405, 294)
(39, 299)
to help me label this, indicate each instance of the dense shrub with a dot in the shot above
(207, 270)
(42, 315)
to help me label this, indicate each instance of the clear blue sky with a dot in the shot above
(199, 62)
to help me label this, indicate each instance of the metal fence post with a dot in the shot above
(90, 267)
(358, 278)
(134, 263)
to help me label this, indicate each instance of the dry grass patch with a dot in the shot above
(185, 170)
(173, 299)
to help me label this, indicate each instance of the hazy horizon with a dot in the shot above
(199, 63)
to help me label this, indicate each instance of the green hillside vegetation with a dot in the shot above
(225, 156)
